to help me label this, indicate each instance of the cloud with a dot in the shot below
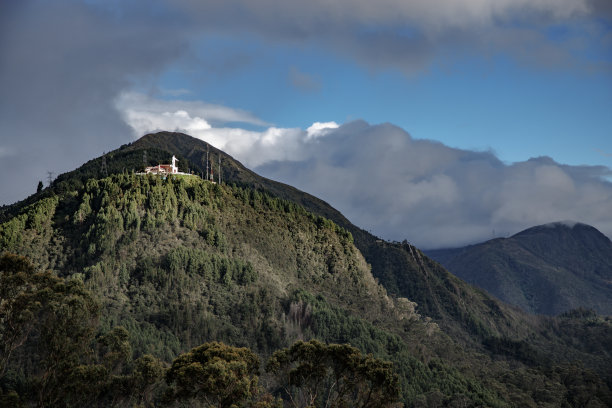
(180, 120)
(157, 113)
(319, 129)
(437, 196)
(430, 16)
(147, 114)
(411, 34)
(63, 64)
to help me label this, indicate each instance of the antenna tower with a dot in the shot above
(49, 177)
(207, 173)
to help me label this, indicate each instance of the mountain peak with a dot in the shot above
(549, 268)
(569, 229)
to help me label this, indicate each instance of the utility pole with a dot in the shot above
(49, 177)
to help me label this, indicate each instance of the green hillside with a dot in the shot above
(167, 265)
(547, 269)
(401, 268)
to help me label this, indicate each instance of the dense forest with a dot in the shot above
(122, 290)
(51, 328)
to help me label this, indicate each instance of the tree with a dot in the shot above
(114, 349)
(148, 372)
(216, 374)
(314, 374)
(67, 322)
(56, 318)
(19, 292)
(39, 187)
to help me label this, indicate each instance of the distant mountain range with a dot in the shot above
(175, 262)
(548, 269)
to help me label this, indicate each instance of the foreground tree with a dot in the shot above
(67, 323)
(216, 375)
(54, 321)
(314, 374)
(23, 293)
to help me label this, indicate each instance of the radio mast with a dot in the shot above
(207, 173)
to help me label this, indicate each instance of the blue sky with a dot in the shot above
(516, 108)
(504, 81)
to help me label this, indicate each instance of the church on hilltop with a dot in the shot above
(164, 169)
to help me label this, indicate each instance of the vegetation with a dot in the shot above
(173, 279)
(74, 368)
(214, 374)
(333, 375)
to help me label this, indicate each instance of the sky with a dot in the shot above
(442, 122)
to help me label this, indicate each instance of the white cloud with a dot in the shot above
(146, 105)
(435, 196)
(319, 129)
(146, 114)
(145, 121)
(255, 148)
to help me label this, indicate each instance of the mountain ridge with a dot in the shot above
(550, 268)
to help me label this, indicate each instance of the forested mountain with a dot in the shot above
(547, 269)
(144, 270)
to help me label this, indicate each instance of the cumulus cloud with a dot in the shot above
(255, 147)
(437, 196)
(319, 129)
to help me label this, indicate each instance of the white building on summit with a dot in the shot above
(164, 168)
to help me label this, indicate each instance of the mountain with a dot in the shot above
(400, 267)
(178, 262)
(548, 269)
